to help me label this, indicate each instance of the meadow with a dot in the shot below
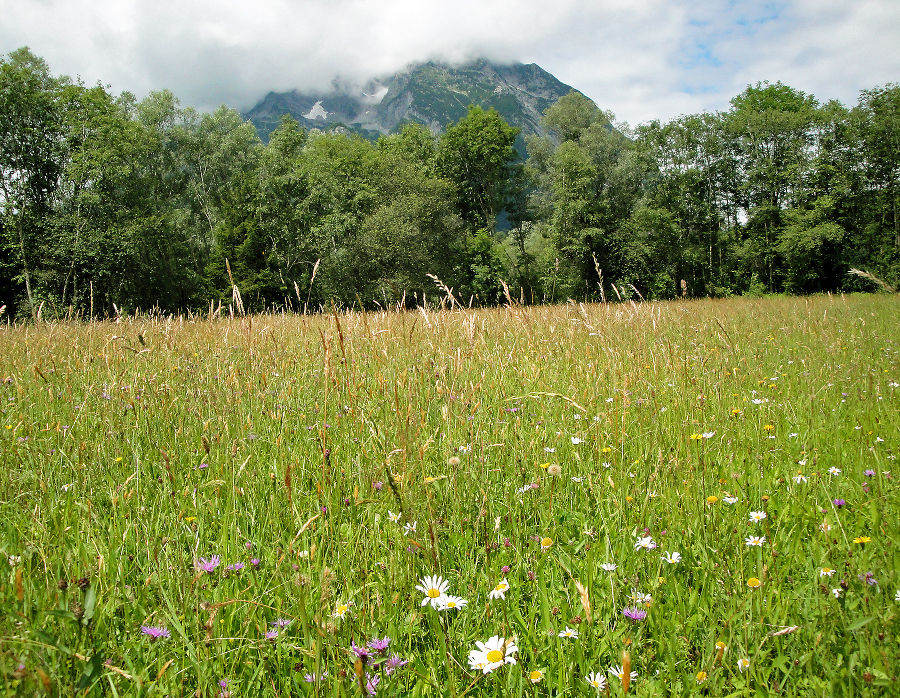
(682, 498)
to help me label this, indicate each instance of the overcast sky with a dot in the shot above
(642, 59)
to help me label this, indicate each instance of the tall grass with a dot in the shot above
(531, 444)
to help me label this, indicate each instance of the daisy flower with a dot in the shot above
(800, 478)
(757, 516)
(897, 595)
(639, 597)
(409, 527)
(451, 603)
(342, 610)
(499, 591)
(434, 588)
(546, 543)
(834, 471)
(743, 664)
(729, 499)
(645, 543)
(826, 572)
(672, 558)
(492, 654)
(536, 676)
(596, 679)
(618, 673)
(568, 632)
(837, 592)
(757, 541)
(394, 517)
(608, 567)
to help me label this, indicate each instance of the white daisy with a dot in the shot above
(568, 632)
(826, 572)
(757, 516)
(834, 471)
(608, 567)
(451, 603)
(728, 499)
(434, 588)
(499, 591)
(492, 654)
(672, 558)
(618, 673)
(743, 664)
(645, 543)
(756, 541)
(596, 679)
(394, 517)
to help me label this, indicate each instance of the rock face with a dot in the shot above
(433, 94)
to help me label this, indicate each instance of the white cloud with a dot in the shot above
(641, 59)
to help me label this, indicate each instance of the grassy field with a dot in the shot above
(703, 493)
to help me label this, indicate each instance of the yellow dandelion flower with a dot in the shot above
(536, 676)
(769, 427)
(605, 449)
(862, 539)
(701, 676)
(546, 543)
(754, 583)
(712, 499)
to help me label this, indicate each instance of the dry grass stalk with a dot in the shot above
(881, 283)
(448, 292)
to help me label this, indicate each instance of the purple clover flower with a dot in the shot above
(504, 569)
(209, 565)
(378, 485)
(155, 632)
(634, 613)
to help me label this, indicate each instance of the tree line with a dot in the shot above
(109, 204)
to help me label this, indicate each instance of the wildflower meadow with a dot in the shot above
(654, 499)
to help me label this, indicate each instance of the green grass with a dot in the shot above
(129, 451)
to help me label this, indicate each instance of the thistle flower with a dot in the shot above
(379, 646)
(155, 632)
(208, 565)
(634, 613)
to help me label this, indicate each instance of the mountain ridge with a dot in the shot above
(432, 93)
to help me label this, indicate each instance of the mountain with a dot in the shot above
(434, 94)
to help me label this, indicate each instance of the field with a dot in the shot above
(703, 493)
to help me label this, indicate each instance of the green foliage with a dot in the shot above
(110, 204)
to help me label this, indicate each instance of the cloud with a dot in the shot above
(643, 60)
